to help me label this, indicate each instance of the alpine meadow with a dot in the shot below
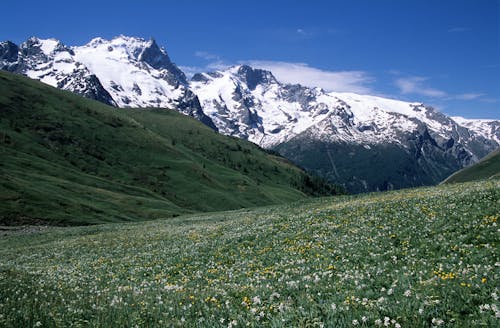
(412, 258)
(192, 164)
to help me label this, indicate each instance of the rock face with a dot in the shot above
(123, 72)
(365, 143)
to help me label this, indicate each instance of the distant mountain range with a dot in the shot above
(365, 143)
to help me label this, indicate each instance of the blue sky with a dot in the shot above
(445, 53)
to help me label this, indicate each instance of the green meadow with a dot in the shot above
(425, 257)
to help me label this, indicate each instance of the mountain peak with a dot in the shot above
(47, 47)
(137, 49)
(8, 51)
(254, 76)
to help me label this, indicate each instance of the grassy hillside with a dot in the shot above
(70, 160)
(486, 168)
(412, 258)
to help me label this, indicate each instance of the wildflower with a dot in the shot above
(378, 322)
(437, 322)
(355, 322)
(407, 293)
(38, 324)
(334, 306)
(274, 296)
(246, 301)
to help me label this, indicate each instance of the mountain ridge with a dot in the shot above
(339, 135)
(252, 104)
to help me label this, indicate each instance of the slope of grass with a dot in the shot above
(70, 160)
(425, 257)
(486, 168)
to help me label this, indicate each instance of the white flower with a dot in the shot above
(256, 300)
(355, 322)
(334, 306)
(407, 293)
(378, 322)
(274, 296)
(38, 324)
(437, 322)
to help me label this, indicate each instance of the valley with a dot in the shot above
(325, 164)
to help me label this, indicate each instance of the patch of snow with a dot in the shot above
(116, 64)
(48, 45)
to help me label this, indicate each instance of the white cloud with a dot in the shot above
(210, 67)
(415, 85)
(190, 70)
(215, 62)
(469, 96)
(206, 55)
(301, 73)
(305, 33)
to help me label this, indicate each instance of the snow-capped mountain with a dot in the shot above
(489, 129)
(252, 104)
(123, 72)
(363, 142)
(339, 135)
(53, 63)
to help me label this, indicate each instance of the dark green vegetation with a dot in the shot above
(70, 160)
(377, 168)
(425, 257)
(486, 168)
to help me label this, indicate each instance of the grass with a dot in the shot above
(412, 258)
(486, 168)
(71, 161)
